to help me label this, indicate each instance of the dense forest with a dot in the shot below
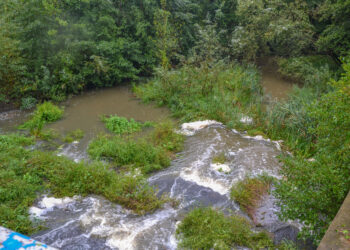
(199, 58)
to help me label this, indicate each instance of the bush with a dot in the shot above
(44, 113)
(28, 102)
(25, 174)
(206, 228)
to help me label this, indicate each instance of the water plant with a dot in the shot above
(121, 125)
(207, 228)
(44, 113)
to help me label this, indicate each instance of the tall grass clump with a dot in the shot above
(249, 192)
(44, 113)
(25, 174)
(206, 228)
(220, 92)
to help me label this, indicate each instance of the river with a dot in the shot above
(95, 223)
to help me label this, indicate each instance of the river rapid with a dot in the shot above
(94, 223)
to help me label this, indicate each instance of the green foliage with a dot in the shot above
(206, 228)
(28, 102)
(126, 152)
(25, 174)
(149, 154)
(249, 192)
(313, 71)
(314, 189)
(75, 135)
(220, 93)
(44, 113)
(120, 125)
(275, 27)
(164, 135)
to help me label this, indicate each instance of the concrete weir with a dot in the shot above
(337, 236)
(10, 240)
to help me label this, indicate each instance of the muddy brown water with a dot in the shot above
(275, 86)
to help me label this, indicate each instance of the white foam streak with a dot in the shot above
(191, 128)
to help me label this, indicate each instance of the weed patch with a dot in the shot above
(248, 193)
(24, 174)
(206, 228)
(44, 113)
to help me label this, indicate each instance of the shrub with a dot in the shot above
(28, 102)
(206, 228)
(44, 113)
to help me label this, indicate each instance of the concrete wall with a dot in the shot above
(335, 239)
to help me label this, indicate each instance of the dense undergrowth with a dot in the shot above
(221, 92)
(25, 174)
(314, 124)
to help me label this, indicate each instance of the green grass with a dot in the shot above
(148, 154)
(25, 174)
(220, 93)
(120, 125)
(249, 192)
(44, 113)
(207, 228)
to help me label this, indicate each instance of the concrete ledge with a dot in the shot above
(10, 240)
(335, 239)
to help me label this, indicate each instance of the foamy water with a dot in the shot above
(193, 179)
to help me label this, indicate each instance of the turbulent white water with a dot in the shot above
(193, 179)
